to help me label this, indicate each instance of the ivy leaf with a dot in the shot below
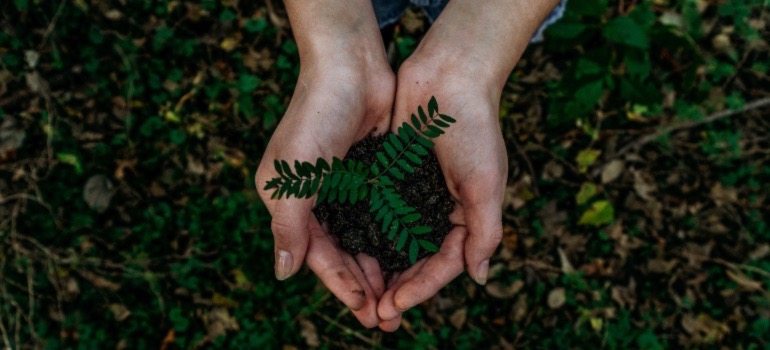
(599, 214)
(624, 30)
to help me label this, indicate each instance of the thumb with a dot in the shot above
(291, 234)
(484, 221)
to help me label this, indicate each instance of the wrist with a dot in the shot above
(332, 30)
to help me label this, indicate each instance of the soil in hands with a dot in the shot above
(356, 228)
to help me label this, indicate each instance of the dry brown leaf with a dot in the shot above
(557, 298)
(120, 311)
(309, 333)
(612, 171)
(98, 192)
(500, 291)
(744, 282)
(459, 317)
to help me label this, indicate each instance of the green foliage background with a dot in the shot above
(131, 131)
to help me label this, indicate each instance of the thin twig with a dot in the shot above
(346, 329)
(763, 102)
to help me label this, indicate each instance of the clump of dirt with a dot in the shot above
(359, 232)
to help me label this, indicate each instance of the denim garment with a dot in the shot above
(390, 11)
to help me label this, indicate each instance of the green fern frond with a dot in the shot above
(352, 181)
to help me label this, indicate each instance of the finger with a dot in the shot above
(484, 220)
(391, 325)
(368, 314)
(438, 271)
(290, 231)
(373, 273)
(324, 258)
(386, 309)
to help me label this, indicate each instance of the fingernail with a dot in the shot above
(283, 264)
(482, 272)
(399, 310)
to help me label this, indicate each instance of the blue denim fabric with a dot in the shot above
(390, 11)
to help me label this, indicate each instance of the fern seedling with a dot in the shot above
(353, 181)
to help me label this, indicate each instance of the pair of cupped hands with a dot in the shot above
(346, 94)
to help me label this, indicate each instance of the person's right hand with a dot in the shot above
(344, 92)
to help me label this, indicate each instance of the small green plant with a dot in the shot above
(353, 181)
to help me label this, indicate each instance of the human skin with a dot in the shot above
(464, 61)
(344, 92)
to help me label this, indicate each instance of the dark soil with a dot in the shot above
(356, 228)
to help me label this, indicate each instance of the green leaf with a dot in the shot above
(397, 173)
(414, 249)
(336, 178)
(425, 142)
(402, 240)
(342, 197)
(305, 189)
(587, 191)
(386, 181)
(396, 142)
(346, 180)
(420, 150)
(321, 163)
(71, 159)
(415, 122)
(586, 158)
(247, 83)
(404, 210)
(432, 106)
(447, 118)
(411, 218)
(404, 165)
(565, 30)
(403, 134)
(435, 129)
(393, 231)
(588, 7)
(362, 192)
(599, 214)
(376, 205)
(287, 170)
(389, 149)
(428, 245)
(381, 157)
(409, 130)
(301, 171)
(413, 157)
(430, 133)
(440, 123)
(337, 164)
(421, 230)
(314, 185)
(294, 190)
(381, 213)
(423, 117)
(278, 168)
(624, 30)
